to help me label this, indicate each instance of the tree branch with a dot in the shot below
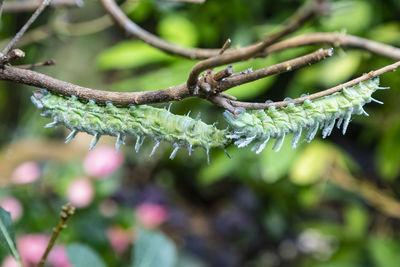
(336, 40)
(174, 93)
(300, 17)
(1, 7)
(286, 66)
(21, 32)
(66, 212)
(30, 5)
(40, 80)
(281, 104)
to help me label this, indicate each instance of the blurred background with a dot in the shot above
(333, 202)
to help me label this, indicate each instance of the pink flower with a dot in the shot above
(26, 172)
(80, 192)
(150, 215)
(102, 161)
(58, 257)
(13, 206)
(9, 261)
(31, 247)
(120, 238)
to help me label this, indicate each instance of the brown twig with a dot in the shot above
(292, 24)
(1, 7)
(174, 93)
(374, 196)
(21, 32)
(336, 40)
(281, 104)
(299, 18)
(225, 46)
(39, 64)
(286, 66)
(66, 212)
(33, 78)
(30, 5)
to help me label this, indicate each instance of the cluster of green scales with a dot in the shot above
(254, 127)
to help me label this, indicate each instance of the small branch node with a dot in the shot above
(228, 71)
(13, 55)
(225, 46)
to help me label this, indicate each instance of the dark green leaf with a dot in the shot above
(7, 233)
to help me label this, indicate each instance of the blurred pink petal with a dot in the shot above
(80, 192)
(120, 238)
(102, 161)
(31, 247)
(150, 215)
(13, 206)
(26, 172)
(9, 261)
(58, 257)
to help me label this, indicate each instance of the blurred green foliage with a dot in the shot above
(312, 206)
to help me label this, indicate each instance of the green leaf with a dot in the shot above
(351, 16)
(178, 30)
(175, 74)
(389, 153)
(386, 33)
(153, 249)
(7, 234)
(218, 168)
(311, 164)
(130, 54)
(339, 68)
(385, 252)
(81, 255)
(274, 165)
(357, 222)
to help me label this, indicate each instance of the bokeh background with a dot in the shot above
(333, 202)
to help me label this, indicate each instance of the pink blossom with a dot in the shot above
(58, 257)
(31, 247)
(102, 161)
(150, 215)
(13, 206)
(9, 261)
(120, 238)
(80, 192)
(26, 172)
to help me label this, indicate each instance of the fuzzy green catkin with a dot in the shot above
(138, 121)
(259, 126)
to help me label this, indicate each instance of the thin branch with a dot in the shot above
(336, 40)
(291, 25)
(377, 198)
(299, 18)
(188, 1)
(174, 93)
(33, 78)
(225, 46)
(21, 32)
(1, 7)
(281, 104)
(36, 65)
(66, 212)
(133, 29)
(30, 5)
(286, 66)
